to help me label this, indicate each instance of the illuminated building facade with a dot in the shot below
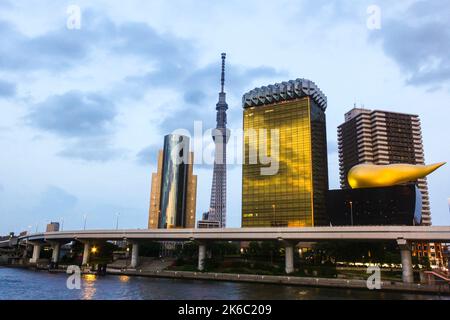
(174, 187)
(434, 251)
(295, 195)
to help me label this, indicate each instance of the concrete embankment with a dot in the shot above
(288, 280)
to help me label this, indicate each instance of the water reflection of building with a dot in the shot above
(294, 195)
(174, 187)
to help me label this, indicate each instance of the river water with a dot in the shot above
(18, 284)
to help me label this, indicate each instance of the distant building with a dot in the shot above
(206, 223)
(52, 227)
(295, 195)
(174, 187)
(382, 137)
(396, 205)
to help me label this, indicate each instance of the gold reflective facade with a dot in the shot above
(370, 175)
(155, 195)
(191, 194)
(295, 195)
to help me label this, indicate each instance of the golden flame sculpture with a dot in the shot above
(370, 175)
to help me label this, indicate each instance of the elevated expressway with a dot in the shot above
(403, 235)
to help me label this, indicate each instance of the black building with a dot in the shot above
(397, 205)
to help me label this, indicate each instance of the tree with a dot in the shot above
(254, 249)
(348, 251)
(149, 249)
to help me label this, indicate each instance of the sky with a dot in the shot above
(85, 103)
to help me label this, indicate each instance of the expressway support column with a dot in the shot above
(448, 262)
(201, 256)
(36, 253)
(86, 252)
(55, 252)
(289, 256)
(134, 255)
(25, 252)
(407, 268)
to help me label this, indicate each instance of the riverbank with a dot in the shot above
(288, 280)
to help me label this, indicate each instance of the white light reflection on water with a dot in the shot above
(88, 286)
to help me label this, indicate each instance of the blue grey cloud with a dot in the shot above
(85, 115)
(61, 49)
(85, 120)
(419, 42)
(55, 50)
(74, 114)
(6, 4)
(200, 101)
(194, 96)
(97, 149)
(139, 39)
(7, 89)
(148, 155)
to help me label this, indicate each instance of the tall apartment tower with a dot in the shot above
(174, 186)
(291, 115)
(382, 137)
(218, 204)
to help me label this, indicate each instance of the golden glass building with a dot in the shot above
(295, 196)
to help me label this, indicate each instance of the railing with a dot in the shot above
(440, 276)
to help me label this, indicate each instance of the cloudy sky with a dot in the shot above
(83, 111)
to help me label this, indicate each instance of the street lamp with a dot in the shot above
(84, 224)
(273, 218)
(117, 221)
(351, 212)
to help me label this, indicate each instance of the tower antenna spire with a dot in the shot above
(222, 80)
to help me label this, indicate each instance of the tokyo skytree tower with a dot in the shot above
(220, 135)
